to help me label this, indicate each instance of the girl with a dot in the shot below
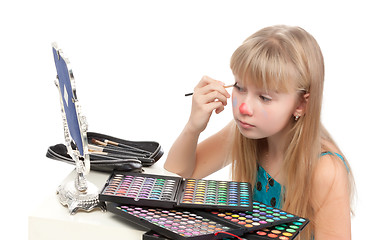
(276, 140)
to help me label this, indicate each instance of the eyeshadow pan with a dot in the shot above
(170, 192)
(286, 231)
(261, 216)
(218, 194)
(281, 232)
(183, 228)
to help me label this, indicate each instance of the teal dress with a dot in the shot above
(268, 191)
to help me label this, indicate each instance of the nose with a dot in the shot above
(245, 110)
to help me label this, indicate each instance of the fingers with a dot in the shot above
(212, 90)
(209, 95)
(219, 109)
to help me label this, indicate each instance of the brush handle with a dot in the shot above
(115, 150)
(120, 156)
(107, 143)
(127, 146)
(228, 86)
(97, 142)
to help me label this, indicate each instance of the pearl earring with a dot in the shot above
(297, 117)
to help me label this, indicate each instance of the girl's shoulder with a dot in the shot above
(331, 176)
(331, 157)
(331, 195)
(330, 165)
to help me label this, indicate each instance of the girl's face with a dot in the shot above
(260, 114)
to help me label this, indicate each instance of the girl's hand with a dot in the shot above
(209, 95)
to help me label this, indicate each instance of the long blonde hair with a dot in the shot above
(271, 59)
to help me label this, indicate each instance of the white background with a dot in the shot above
(133, 62)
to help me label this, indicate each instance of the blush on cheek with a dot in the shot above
(234, 102)
(264, 113)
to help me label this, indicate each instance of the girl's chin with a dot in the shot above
(250, 134)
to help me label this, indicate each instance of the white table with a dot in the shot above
(51, 220)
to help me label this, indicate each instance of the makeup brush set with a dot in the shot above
(108, 153)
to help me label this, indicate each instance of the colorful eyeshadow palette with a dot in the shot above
(169, 192)
(286, 231)
(261, 216)
(175, 223)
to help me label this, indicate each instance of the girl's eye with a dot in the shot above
(265, 99)
(240, 89)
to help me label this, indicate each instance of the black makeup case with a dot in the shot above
(109, 153)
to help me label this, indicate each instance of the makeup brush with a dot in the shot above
(103, 144)
(126, 146)
(97, 142)
(121, 156)
(145, 160)
(228, 86)
(96, 148)
(107, 142)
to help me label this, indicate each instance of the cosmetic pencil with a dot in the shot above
(228, 86)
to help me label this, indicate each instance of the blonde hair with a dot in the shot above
(277, 58)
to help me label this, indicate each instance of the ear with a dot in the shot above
(302, 105)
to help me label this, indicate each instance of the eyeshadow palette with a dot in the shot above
(286, 231)
(194, 224)
(176, 223)
(169, 192)
(261, 216)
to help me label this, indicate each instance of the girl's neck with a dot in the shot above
(273, 158)
(277, 145)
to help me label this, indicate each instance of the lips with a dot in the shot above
(245, 125)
